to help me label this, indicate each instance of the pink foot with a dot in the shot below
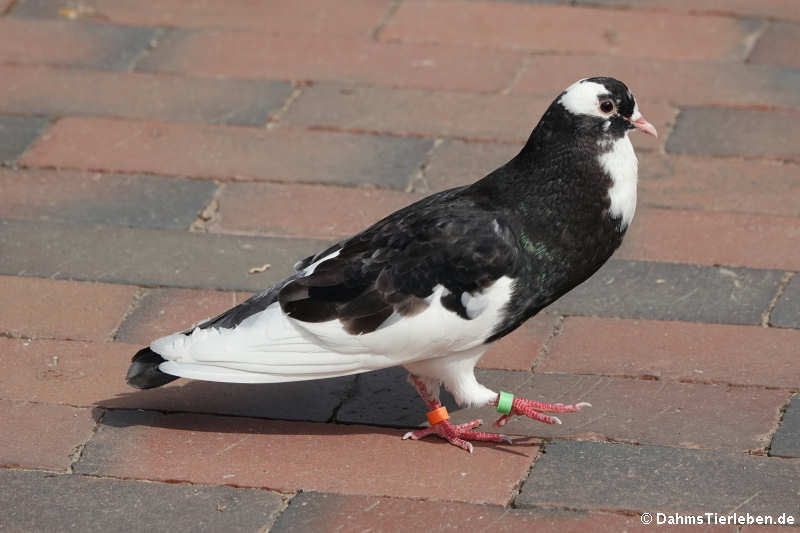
(458, 435)
(534, 410)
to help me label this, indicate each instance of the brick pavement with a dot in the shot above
(152, 155)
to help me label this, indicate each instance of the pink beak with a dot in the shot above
(642, 125)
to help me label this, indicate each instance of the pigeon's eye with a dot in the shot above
(607, 106)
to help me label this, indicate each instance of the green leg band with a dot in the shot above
(504, 402)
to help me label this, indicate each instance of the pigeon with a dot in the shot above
(431, 286)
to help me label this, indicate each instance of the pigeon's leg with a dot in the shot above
(536, 410)
(458, 435)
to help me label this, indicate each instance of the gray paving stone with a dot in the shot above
(143, 202)
(36, 9)
(17, 133)
(708, 131)
(601, 475)
(386, 398)
(146, 257)
(41, 501)
(688, 414)
(786, 442)
(160, 98)
(627, 289)
(786, 313)
(312, 512)
(670, 291)
(251, 102)
(122, 200)
(112, 47)
(313, 401)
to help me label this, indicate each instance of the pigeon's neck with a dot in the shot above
(619, 163)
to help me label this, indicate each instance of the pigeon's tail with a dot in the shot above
(144, 372)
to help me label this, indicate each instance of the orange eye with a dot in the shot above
(607, 106)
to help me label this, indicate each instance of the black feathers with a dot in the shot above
(447, 239)
(144, 373)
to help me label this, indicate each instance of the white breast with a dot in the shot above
(620, 163)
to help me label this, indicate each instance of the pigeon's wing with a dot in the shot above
(395, 269)
(428, 280)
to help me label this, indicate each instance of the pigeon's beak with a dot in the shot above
(639, 122)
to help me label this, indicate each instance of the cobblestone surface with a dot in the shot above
(151, 154)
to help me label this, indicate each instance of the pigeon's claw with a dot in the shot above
(458, 435)
(536, 410)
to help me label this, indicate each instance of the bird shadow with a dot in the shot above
(202, 423)
(380, 402)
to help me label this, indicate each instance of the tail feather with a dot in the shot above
(144, 373)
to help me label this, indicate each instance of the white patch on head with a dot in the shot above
(581, 98)
(620, 163)
(636, 114)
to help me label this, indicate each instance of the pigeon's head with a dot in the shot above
(605, 106)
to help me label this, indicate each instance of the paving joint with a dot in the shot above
(210, 212)
(751, 41)
(297, 90)
(545, 349)
(77, 453)
(765, 317)
(152, 44)
(418, 182)
(523, 68)
(390, 11)
(774, 432)
(135, 301)
(9, 8)
(349, 393)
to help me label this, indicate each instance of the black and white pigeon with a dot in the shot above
(433, 285)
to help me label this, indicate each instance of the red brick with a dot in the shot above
(56, 42)
(748, 186)
(321, 57)
(43, 90)
(676, 82)
(328, 212)
(777, 45)
(287, 456)
(455, 163)
(93, 374)
(161, 312)
(45, 308)
(716, 353)
(41, 435)
(63, 372)
(351, 17)
(489, 117)
(311, 511)
(521, 349)
(780, 9)
(281, 154)
(493, 117)
(543, 29)
(689, 415)
(714, 238)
